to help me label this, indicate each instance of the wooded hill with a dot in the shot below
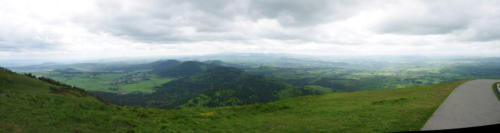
(211, 85)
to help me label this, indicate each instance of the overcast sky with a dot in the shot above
(87, 29)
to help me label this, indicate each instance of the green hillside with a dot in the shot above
(29, 105)
(216, 86)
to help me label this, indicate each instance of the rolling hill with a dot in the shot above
(29, 104)
(209, 85)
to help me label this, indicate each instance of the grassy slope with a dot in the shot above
(366, 111)
(495, 90)
(27, 106)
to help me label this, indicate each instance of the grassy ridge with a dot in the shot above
(26, 105)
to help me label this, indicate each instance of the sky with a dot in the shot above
(97, 29)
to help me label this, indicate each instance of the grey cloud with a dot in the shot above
(16, 44)
(486, 36)
(193, 26)
(5, 48)
(35, 46)
(167, 21)
(436, 17)
(416, 27)
(299, 12)
(162, 21)
(484, 30)
(289, 12)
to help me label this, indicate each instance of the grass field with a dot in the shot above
(111, 82)
(26, 106)
(404, 109)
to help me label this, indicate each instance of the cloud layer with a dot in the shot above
(82, 29)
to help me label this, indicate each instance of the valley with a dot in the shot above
(248, 66)
(214, 81)
(30, 105)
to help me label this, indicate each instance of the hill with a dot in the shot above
(163, 67)
(340, 75)
(215, 86)
(28, 105)
(173, 68)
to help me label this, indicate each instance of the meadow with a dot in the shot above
(138, 81)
